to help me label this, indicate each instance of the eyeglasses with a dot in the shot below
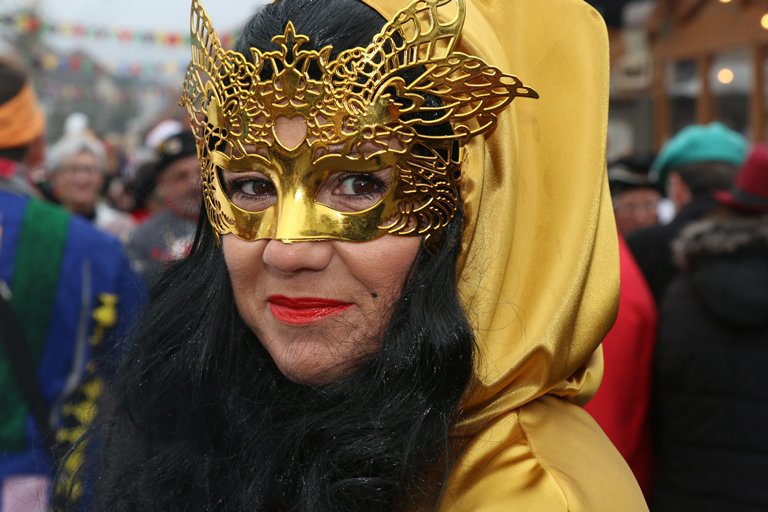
(636, 207)
(77, 169)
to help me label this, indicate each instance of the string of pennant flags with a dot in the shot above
(27, 23)
(82, 65)
(70, 92)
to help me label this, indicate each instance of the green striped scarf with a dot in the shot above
(34, 283)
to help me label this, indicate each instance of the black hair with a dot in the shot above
(340, 23)
(631, 172)
(704, 178)
(204, 420)
(12, 80)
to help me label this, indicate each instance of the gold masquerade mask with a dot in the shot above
(345, 149)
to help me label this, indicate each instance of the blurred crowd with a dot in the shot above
(86, 226)
(682, 397)
(150, 200)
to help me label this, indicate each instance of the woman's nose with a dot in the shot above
(297, 256)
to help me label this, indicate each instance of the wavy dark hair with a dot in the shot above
(204, 420)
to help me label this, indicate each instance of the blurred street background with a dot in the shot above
(673, 62)
(120, 65)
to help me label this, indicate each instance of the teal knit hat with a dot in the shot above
(699, 143)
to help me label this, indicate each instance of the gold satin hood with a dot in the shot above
(539, 269)
(539, 273)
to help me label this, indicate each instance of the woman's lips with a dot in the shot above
(304, 310)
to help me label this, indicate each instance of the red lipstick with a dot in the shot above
(304, 310)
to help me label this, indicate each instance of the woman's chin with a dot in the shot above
(312, 372)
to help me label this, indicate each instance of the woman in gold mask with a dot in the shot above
(401, 277)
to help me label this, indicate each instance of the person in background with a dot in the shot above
(695, 163)
(76, 176)
(622, 404)
(116, 155)
(69, 289)
(167, 235)
(142, 187)
(116, 189)
(635, 197)
(710, 399)
(22, 130)
(120, 195)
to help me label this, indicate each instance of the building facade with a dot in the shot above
(678, 62)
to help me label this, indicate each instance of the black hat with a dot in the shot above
(630, 172)
(173, 148)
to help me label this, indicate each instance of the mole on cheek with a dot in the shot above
(374, 295)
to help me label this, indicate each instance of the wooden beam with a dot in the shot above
(709, 27)
(704, 103)
(686, 10)
(661, 131)
(757, 97)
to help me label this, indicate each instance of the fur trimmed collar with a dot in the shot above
(726, 237)
(726, 267)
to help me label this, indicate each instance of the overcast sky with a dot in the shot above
(154, 15)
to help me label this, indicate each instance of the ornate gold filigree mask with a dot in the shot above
(340, 149)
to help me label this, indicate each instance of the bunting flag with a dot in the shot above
(69, 92)
(82, 65)
(26, 23)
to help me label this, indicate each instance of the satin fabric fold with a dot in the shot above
(539, 270)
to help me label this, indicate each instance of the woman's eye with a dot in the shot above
(359, 185)
(253, 192)
(354, 191)
(254, 187)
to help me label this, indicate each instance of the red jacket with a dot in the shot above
(621, 405)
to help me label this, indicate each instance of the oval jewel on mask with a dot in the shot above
(290, 132)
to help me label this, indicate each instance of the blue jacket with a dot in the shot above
(94, 277)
